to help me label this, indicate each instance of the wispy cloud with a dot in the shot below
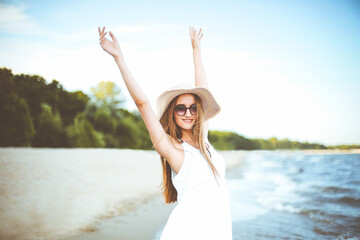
(13, 19)
(125, 28)
(90, 35)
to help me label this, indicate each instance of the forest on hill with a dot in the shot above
(34, 113)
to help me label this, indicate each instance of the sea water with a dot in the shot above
(292, 195)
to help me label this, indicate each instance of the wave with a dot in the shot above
(335, 190)
(355, 202)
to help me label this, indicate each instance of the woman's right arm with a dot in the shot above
(162, 144)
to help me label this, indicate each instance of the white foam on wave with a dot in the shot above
(269, 186)
(242, 201)
(283, 197)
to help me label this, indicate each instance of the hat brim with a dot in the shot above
(210, 106)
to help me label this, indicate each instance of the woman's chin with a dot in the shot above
(187, 126)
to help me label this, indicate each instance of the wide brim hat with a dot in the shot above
(210, 106)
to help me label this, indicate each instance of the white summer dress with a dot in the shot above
(203, 210)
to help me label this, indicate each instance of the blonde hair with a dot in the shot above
(171, 128)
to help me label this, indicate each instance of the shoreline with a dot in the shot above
(330, 151)
(149, 215)
(142, 222)
(75, 193)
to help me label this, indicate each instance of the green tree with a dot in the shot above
(32, 89)
(104, 122)
(229, 141)
(70, 104)
(50, 129)
(16, 123)
(107, 95)
(82, 134)
(126, 133)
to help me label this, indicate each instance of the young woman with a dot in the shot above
(193, 172)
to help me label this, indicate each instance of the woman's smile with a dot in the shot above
(188, 120)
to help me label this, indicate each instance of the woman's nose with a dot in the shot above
(187, 112)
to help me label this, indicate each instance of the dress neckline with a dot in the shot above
(182, 141)
(190, 145)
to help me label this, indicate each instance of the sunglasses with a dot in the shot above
(181, 109)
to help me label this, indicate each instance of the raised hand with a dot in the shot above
(195, 38)
(111, 47)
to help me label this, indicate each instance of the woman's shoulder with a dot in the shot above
(177, 143)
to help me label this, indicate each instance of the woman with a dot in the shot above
(193, 172)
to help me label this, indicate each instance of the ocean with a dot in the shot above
(292, 195)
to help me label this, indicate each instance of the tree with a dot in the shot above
(70, 104)
(104, 122)
(107, 95)
(50, 130)
(82, 134)
(126, 133)
(16, 123)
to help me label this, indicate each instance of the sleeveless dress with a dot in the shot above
(203, 210)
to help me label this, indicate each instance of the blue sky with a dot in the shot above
(286, 69)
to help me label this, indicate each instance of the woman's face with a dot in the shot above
(187, 121)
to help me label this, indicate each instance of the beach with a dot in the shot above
(85, 194)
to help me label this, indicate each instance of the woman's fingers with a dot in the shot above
(103, 36)
(101, 32)
(112, 36)
(194, 34)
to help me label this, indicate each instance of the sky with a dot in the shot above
(285, 69)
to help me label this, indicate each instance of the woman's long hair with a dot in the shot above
(168, 123)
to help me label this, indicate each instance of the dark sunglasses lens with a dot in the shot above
(180, 110)
(193, 109)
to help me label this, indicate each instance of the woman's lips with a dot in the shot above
(188, 120)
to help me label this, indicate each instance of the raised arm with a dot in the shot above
(162, 144)
(200, 76)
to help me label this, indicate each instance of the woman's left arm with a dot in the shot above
(200, 76)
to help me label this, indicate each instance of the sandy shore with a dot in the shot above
(83, 193)
(331, 151)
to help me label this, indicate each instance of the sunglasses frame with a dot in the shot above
(186, 108)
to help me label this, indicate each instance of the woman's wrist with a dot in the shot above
(119, 57)
(196, 51)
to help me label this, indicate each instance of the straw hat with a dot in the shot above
(210, 106)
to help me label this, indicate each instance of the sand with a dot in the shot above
(83, 193)
(331, 151)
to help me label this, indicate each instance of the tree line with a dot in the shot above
(233, 141)
(37, 114)
(34, 113)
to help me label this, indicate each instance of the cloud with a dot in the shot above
(125, 28)
(89, 36)
(14, 20)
